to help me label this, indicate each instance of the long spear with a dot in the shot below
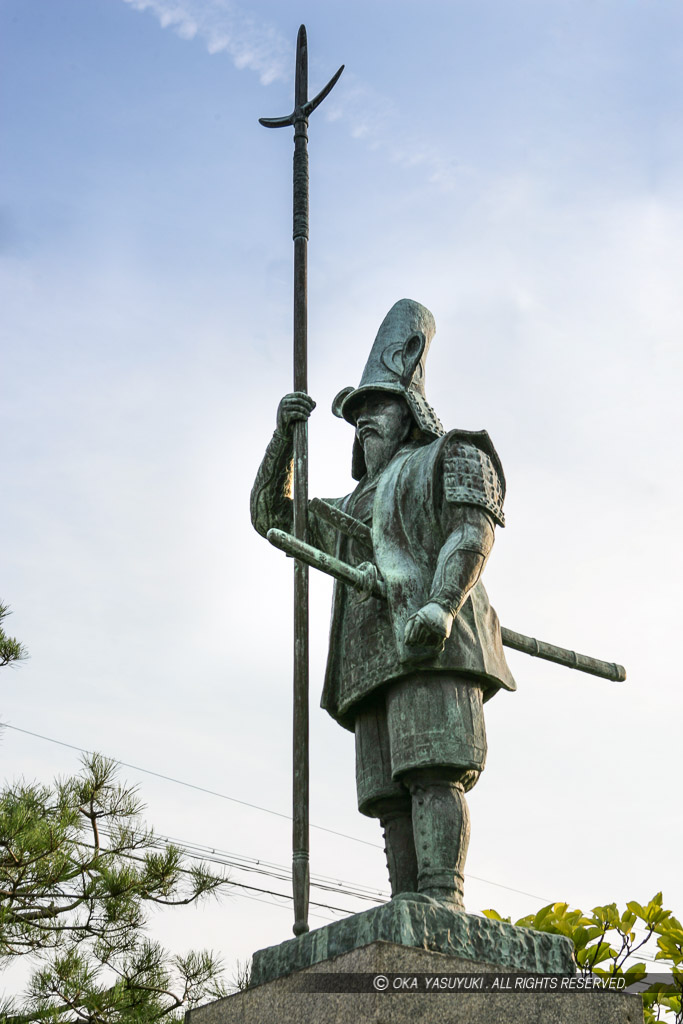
(303, 108)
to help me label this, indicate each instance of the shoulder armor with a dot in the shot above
(472, 476)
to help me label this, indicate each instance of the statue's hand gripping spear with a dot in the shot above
(303, 108)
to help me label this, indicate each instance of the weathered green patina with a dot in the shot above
(415, 647)
(422, 925)
(409, 672)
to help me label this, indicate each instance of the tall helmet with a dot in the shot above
(396, 365)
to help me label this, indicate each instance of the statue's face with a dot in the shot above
(382, 418)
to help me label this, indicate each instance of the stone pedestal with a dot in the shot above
(424, 925)
(420, 964)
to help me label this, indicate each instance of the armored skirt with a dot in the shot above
(434, 720)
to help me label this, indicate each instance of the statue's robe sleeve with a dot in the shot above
(271, 497)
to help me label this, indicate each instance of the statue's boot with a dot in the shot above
(441, 827)
(396, 819)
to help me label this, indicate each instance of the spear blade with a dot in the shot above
(301, 74)
(276, 122)
(317, 100)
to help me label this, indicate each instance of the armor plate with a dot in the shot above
(470, 478)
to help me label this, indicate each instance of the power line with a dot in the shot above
(228, 881)
(287, 896)
(199, 852)
(190, 785)
(281, 906)
(256, 807)
(244, 803)
(281, 872)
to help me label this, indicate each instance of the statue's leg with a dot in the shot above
(437, 738)
(441, 826)
(396, 819)
(379, 796)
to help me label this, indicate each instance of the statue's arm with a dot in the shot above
(471, 503)
(271, 495)
(462, 558)
(271, 503)
(459, 566)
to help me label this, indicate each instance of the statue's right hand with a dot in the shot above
(293, 407)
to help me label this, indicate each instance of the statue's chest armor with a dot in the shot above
(368, 655)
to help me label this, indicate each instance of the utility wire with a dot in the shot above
(279, 871)
(281, 906)
(364, 892)
(287, 896)
(228, 881)
(284, 874)
(276, 871)
(648, 958)
(189, 785)
(199, 852)
(245, 803)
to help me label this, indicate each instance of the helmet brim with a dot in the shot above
(349, 405)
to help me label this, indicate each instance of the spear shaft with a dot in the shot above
(300, 794)
(303, 107)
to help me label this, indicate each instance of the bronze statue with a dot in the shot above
(413, 656)
(415, 647)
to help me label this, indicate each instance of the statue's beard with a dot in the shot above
(378, 451)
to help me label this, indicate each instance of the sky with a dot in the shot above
(514, 165)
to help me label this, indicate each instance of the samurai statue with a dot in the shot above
(408, 674)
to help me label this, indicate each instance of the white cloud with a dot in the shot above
(252, 43)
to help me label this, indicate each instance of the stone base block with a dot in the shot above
(425, 925)
(290, 999)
